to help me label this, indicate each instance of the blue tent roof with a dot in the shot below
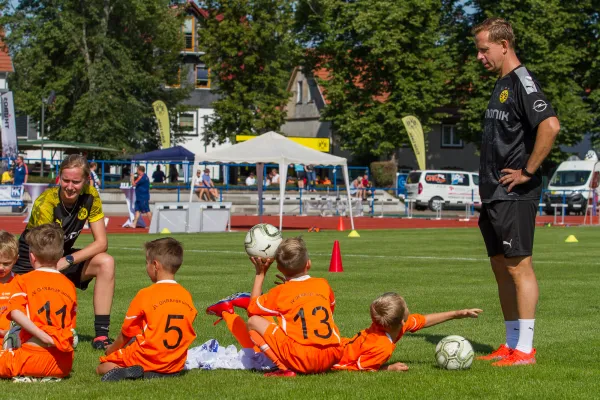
(176, 153)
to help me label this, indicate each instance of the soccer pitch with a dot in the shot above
(434, 269)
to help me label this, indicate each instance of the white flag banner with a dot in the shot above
(9, 131)
(11, 195)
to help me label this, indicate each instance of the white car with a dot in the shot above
(434, 188)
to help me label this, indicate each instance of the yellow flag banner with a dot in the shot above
(415, 133)
(164, 127)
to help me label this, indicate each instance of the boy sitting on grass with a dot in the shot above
(371, 348)
(159, 320)
(306, 340)
(44, 304)
(9, 252)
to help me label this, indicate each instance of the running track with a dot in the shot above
(15, 224)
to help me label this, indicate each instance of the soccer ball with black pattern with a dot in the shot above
(262, 241)
(454, 352)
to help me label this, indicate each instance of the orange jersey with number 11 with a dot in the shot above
(304, 307)
(49, 299)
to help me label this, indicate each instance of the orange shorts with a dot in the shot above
(132, 355)
(298, 357)
(31, 360)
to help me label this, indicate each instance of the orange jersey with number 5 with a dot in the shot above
(370, 348)
(304, 307)
(49, 299)
(160, 318)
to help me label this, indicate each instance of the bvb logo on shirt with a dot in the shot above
(82, 214)
(503, 96)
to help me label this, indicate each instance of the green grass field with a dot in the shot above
(435, 270)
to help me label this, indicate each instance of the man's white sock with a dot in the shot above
(525, 343)
(512, 333)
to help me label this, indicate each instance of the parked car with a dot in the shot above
(449, 188)
(572, 183)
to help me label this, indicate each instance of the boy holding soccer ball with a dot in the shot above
(306, 340)
(371, 348)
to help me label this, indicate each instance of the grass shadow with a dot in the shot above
(434, 339)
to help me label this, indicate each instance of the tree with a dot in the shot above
(386, 59)
(251, 51)
(555, 40)
(107, 60)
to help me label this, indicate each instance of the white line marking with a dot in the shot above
(373, 256)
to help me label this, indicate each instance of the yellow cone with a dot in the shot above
(165, 231)
(571, 239)
(353, 234)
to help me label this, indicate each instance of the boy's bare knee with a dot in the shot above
(253, 322)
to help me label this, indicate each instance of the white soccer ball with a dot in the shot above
(454, 352)
(262, 240)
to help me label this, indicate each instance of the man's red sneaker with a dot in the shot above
(516, 357)
(499, 354)
(281, 373)
(219, 308)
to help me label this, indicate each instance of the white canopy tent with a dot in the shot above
(274, 148)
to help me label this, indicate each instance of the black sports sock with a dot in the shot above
(101, 324)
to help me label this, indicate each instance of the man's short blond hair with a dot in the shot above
(167, 251)
(46, 243)
(292, 255)
(389, 310)
(9, 247)
(499, 29)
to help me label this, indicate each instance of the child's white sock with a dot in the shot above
(512, 333)
(525, 343)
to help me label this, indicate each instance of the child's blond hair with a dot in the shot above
(292, 255)
(167, 251)
(46, 243)
(389, 310)
(9, 247)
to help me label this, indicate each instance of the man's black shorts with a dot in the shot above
(508, 227)
(73, 273)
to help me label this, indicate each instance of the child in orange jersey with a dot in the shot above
(306, 340)
(9, 252)
(159, 319)
(371, 348)
(44, 304)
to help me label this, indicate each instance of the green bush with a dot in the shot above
(384, 173)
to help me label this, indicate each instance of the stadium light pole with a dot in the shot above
(45, 101)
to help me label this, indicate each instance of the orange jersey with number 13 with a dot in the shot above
(304, 307)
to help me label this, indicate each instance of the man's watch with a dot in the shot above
(70, 259)
(527, 173)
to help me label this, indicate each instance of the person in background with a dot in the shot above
(300, 174)
(142, 195)
(94, 181)
(158, 176)
(173, 174)
(274, 177)
(7, 177)
(251, 179)
(366, 185)
(311, 177)
(21, 172)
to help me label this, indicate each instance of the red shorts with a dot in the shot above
(35, 361)
(301, 358)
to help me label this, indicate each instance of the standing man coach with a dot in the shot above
(519, 130)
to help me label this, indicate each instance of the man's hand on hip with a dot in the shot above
(512, 178)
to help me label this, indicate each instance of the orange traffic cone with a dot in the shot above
(341, 225)
(335, 265)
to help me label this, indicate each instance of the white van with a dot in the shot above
(573, 182)
(453, 188)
